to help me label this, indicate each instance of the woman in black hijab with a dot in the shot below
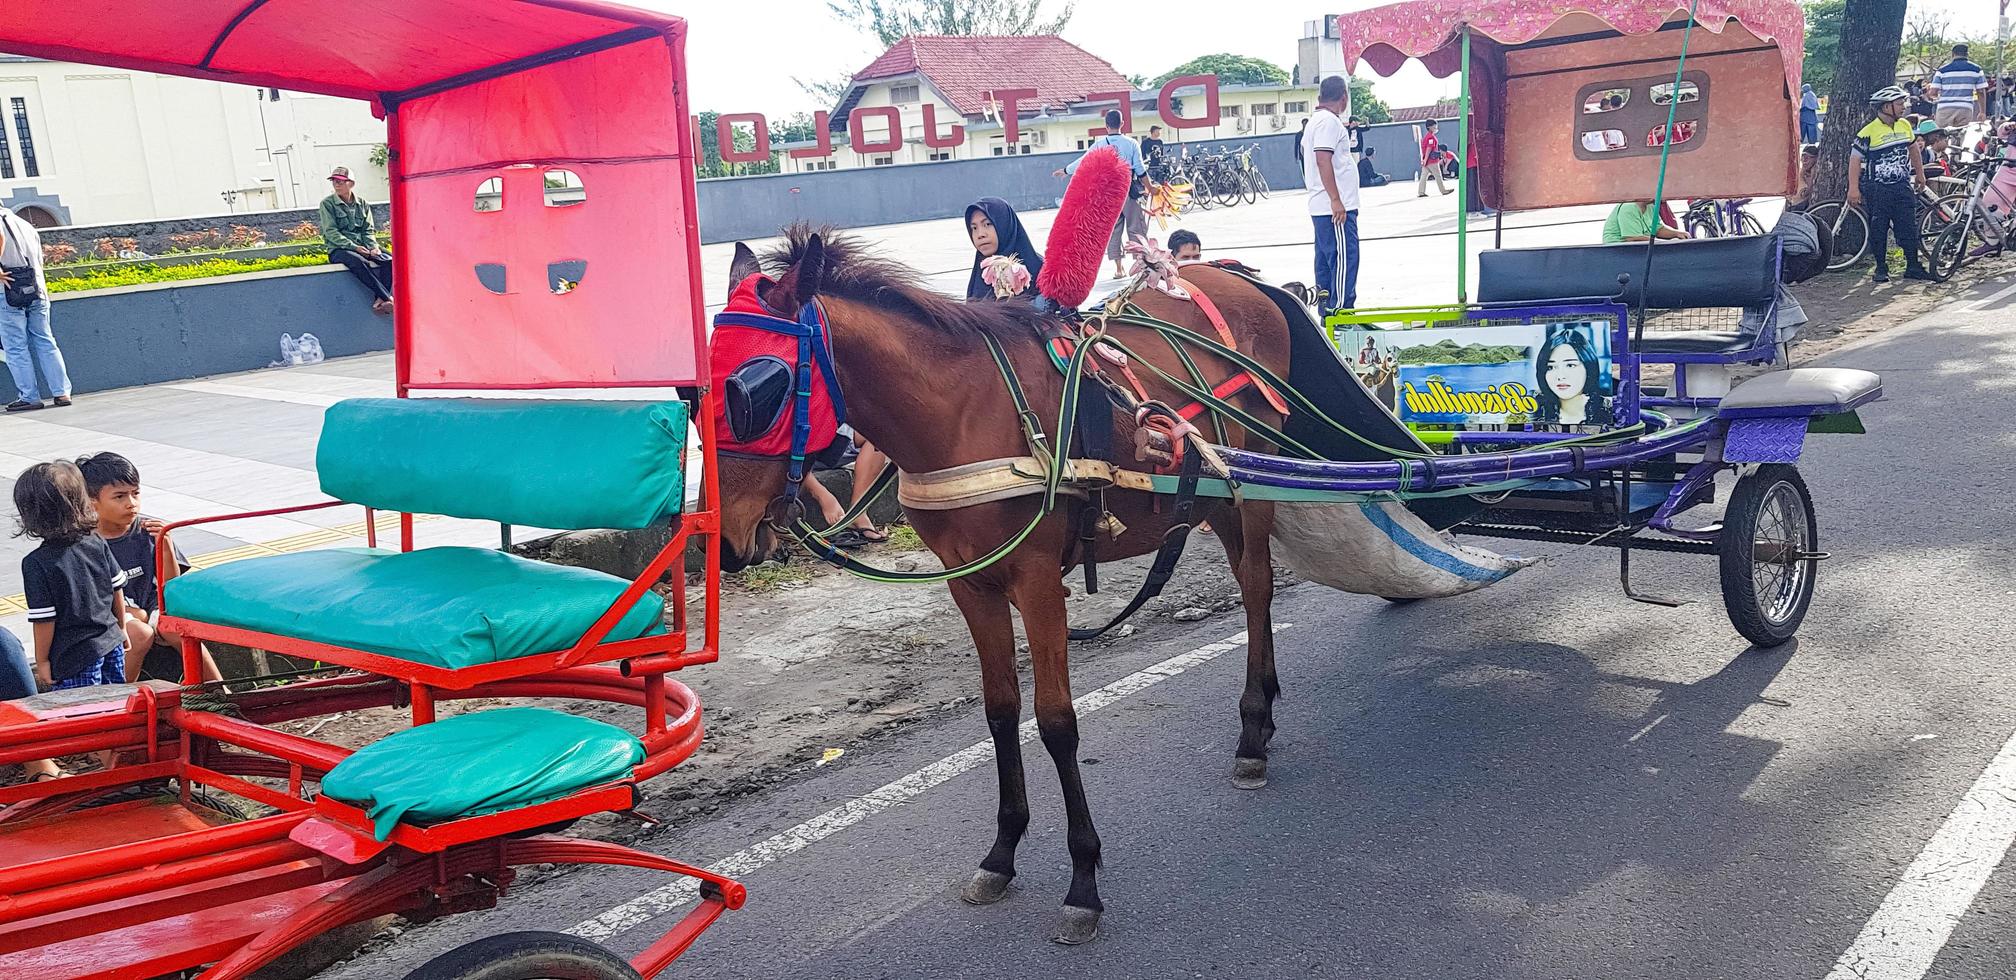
(995, 230)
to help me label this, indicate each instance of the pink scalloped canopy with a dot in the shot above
(1387, 37)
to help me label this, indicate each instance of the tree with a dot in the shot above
(894, 20)
(1823, 43)
(1871, 33)
(1231, 69)
(1366, 106)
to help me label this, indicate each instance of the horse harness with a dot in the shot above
(1073, 467)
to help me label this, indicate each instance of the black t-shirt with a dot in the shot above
(134, 552)
(1151, 151)
(72, 585)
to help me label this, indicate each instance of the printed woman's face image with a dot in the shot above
(1565, 376)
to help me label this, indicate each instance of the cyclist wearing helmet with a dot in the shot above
(1883, 171)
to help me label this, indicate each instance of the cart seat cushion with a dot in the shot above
(1695, 342)
(1714, 272)
(1803, 391)
(544, 463)
(479, 763)
(446, 607)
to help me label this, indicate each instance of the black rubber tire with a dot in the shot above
(1952, 249)
(1200, 193)
(1850, 240)
(1735, 546)
(1249, 186)
(526, 956)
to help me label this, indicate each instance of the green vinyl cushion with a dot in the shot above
(548, 463)
(479, 763)
(448, 607)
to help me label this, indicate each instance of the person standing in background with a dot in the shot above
(1155, 153)
(1332, 178)
(1431, 161)
(1809, 115)
(1960, 83)
(1133, 221)
(1298, 141)
(24, 318)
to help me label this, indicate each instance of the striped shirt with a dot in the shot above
(1958, 80)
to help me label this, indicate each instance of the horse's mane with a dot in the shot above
(854, 271)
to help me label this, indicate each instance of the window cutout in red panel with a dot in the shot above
(490, 195)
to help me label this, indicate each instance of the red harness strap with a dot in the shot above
(1238, 381)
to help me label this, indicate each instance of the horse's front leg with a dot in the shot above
(1038, 591)
(1247, 544)
(986, 612)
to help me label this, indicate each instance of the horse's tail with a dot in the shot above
(1092, 203)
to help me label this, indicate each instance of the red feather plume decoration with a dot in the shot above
(1084, 224)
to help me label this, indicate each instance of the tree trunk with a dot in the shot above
(1872, 31)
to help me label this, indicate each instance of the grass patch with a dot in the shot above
(142, 274)
(903, 537)
(770, 576)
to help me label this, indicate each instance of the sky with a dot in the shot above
(743, 54)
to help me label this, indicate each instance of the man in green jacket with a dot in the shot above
(348, 230)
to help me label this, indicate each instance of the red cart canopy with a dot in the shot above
(595, 286)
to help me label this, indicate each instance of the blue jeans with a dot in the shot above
(17, 679)
(1809, 126)
(1326, 260)
(25, 334)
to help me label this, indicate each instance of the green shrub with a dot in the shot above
(139, 274)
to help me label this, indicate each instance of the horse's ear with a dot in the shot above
(744, 266)
(810, 270)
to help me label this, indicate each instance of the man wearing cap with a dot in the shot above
(348, 230)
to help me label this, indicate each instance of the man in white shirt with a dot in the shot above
(1331, 176)
(24, 329)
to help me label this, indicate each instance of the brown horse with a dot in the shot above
(920, 384)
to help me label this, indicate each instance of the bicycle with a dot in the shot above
(1720, 219)
(1851, 227)
(1982, 227)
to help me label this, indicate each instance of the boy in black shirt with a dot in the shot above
(114, 485)
(72, 583)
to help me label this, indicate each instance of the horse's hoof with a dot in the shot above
(1077, 925)
(1249, 773)
(986, 888)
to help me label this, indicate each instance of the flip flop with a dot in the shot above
(44, 777)
(849, 538)
(873, 535)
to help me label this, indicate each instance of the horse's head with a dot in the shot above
(754, 388)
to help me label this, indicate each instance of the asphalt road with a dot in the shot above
(1543, 780)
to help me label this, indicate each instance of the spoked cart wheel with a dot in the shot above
(1769, 548)
(526, 956)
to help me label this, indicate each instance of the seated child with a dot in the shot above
(1186, 246)
(114, 485)
(73, 587)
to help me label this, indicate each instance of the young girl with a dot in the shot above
(72, 582)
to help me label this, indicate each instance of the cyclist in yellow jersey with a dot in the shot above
(1884, 170)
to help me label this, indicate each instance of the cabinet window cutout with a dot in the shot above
(1662, 94)
(1607, 100)
(1604, 140)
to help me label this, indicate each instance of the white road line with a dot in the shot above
(679, 893)
(1991, 300)
(1904, 937)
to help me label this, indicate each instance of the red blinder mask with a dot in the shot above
(775, 378)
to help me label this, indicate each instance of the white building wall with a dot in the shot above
(113, 145)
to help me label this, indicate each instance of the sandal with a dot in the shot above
(44, 777)
(873, 535)
(849, 538)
